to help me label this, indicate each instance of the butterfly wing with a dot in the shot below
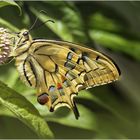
(62, 69)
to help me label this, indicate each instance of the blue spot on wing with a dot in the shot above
(54, 98)
(70, 76)
(61, 91)
(69, 56)
(69, 65)
(66, 84)
(52, 88)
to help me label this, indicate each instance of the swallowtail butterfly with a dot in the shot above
(59, 70)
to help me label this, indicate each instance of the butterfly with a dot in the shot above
(59, 69)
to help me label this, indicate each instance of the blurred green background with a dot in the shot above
(109, 111)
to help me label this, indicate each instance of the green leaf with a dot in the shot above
(24, 111)
(18, 130)
(8, 25)
(101, 22)
(116, 43)
(9, 2)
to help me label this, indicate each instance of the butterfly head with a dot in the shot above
(24, 35)
(22, 39)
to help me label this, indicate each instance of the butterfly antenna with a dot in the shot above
(44, 23)
(75, 110)
(33, 24)
(32, 27)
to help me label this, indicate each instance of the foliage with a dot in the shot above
(110, 111)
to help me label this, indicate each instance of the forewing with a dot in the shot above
(99, 67)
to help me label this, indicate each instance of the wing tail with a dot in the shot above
(75, 110)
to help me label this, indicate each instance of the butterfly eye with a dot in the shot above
(25, 33)
(43, 98)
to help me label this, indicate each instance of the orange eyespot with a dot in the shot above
(43, 98)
